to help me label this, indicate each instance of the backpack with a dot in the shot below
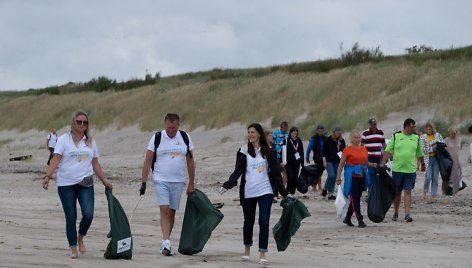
(157, 141)
(401, 132)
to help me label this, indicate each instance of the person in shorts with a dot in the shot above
(173, 155)
(405, 148)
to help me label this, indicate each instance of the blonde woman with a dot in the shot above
(430, 138)
(76, 160)
(354, 162)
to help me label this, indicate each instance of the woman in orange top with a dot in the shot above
(354, 162)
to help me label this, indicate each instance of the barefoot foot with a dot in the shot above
(82, 248)
(73, 253)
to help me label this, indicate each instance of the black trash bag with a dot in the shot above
(444, 161)
(308, 176)
(448, 190)
(200, 219)
(302, 183)
(121, 243)
(294, 211)
(381, 196)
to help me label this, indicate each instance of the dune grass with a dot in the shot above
(343, 96)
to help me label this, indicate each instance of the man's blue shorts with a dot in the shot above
(404, 181)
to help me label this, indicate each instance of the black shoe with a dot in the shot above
(332, 197)
(395, 217)
(408, 218)
(348, 222)
(362, 224)
(324, 193)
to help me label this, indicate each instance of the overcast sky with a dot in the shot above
(52, 42)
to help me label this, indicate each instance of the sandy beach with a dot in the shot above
(32, 225)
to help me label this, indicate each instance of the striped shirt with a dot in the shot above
(373, 142)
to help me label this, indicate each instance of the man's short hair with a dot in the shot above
(408, 122)
(172, 117)
(284, 124)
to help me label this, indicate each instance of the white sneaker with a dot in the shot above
(166, 249)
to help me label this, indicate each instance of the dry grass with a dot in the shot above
(345, 97)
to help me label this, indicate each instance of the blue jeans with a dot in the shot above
(249, 210)
(332, 169)
(432, 176)
(69, 196)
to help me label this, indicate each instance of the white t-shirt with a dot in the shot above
(76, 162)
(171, 157)
(470, 153)
(52, 139)
(257, 175)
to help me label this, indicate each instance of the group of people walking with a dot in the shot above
(268, 165)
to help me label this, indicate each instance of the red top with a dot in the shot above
(355, 156)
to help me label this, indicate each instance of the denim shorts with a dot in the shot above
(169, 193)
(404, 181)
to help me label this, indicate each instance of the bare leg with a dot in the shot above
(407, 200)
(262, 255)
(167, 221)
(247, 251)
(396, 203)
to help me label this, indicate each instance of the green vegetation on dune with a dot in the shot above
(329, 92)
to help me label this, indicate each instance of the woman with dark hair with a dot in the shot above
(293, 158)
(334, 145)
(76, 160)
(259, 169)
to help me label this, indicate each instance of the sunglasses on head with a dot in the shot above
(81, 122)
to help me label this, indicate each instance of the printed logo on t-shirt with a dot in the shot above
(258, 167)
(80, 155)
(171, 152)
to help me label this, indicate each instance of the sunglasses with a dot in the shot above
(81, 122)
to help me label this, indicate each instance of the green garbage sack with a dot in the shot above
(200, 219)
(121, 243)
(294, 211)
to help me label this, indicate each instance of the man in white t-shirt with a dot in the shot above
(174, 152)
(51, 143)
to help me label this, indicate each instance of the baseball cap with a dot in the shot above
(372, 121)
(337, 129)
(320, 127)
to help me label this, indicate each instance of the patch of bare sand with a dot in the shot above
(33, 228)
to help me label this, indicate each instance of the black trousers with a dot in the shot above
(292, 170)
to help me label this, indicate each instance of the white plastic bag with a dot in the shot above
(341, 203)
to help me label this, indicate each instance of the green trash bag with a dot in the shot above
(200, 219)
(121, 243)
(294, 211)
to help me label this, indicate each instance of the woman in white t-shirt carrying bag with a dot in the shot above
(259, 169)
(76, 160)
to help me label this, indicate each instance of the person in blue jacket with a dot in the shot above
(316, 145)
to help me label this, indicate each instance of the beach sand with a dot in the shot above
(32, 225)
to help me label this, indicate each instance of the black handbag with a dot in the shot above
(87, 181)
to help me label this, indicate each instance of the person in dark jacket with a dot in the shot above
(293, 158)
(259, 169)
(316, 145)
(334, 144)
